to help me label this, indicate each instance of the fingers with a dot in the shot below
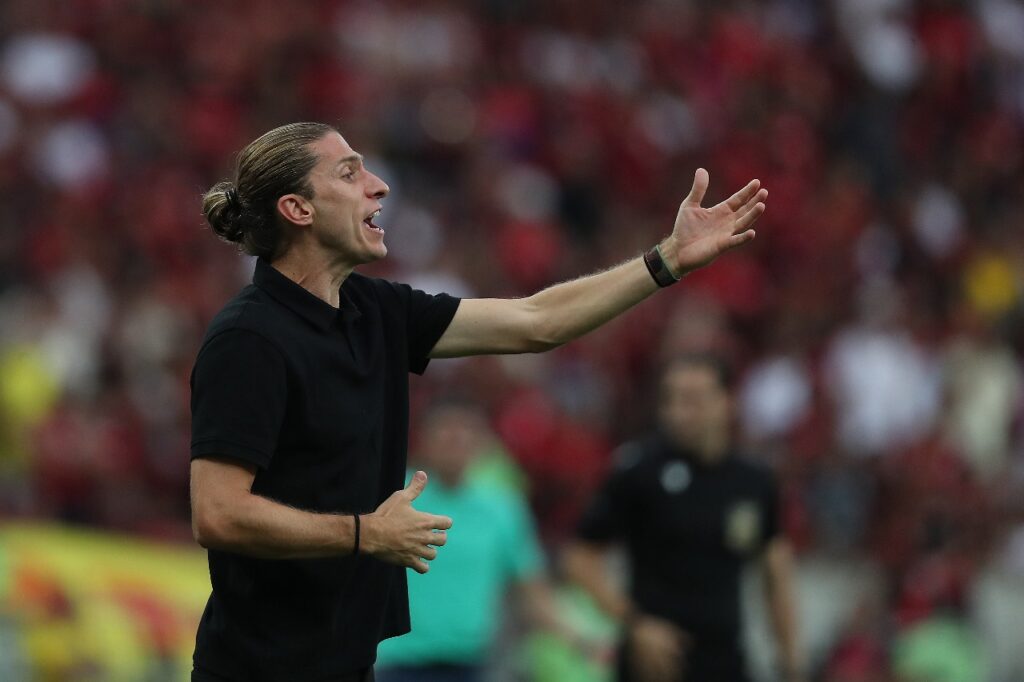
(419, 563)
(416, 485)
(753, 201)
(700, 186)
(441, 523)
(739, 239)
(747, 220)
(736, 201)
(438, 539)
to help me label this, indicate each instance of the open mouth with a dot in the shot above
(368, 222)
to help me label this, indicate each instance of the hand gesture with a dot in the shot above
(702, 234)
(398, 534)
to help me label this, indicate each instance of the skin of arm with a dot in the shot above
(778, 570)
(227, 515)
(537, 600)
(658, 646)
(568, 310)
(584, 564)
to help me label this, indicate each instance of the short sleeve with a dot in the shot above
(526, 560)
(239, 393)
(429, 317)
(605, 518)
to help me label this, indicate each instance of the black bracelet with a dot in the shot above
(659, 270)
(355, 545)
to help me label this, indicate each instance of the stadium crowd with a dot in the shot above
(877, 323)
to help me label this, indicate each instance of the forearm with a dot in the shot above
(571, 309)
(781, 596)
(260, 527)
(538, 601)
(585, 566)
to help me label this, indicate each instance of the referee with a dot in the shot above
(300, 403)
(690, 513)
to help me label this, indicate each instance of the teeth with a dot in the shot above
(373, 215)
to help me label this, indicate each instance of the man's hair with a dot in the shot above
(244, 210)
(716, 364)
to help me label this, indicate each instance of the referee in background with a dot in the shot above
(690, 513)
(300, 403)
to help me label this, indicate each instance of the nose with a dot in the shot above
(377, 188)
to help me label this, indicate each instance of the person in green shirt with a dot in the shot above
(456, 608)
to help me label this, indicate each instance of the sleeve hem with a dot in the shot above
(212, 447)
(419, 365)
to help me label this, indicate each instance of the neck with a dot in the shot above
(713, 449)
(450, 479)
(315, 273)
(708, 450)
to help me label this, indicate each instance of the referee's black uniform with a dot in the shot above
(688, 528)
(317, 398)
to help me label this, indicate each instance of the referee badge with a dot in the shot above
(675, 477)
(742, 526)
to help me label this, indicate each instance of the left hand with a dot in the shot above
(702, 234)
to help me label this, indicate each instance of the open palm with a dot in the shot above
(702, 234)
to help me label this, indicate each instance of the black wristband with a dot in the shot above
(659, 270)
(355, 545)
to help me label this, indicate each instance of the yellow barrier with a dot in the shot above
(81, 603)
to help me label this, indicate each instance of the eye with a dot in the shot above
(348, 175)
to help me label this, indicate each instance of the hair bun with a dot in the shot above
(223, 209)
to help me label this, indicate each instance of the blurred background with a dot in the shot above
(876, 323)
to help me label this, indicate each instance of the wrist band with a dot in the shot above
(355, 545)
(659, 270)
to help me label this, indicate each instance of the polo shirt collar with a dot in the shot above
(289, 293)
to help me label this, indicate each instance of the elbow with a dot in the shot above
(211, 528)
(540, 345)
(544, 335)
(203, 531)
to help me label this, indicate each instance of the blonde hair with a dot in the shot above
(244, 210)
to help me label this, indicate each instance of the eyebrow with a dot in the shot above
(349, 159)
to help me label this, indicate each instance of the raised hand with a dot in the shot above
(702, 234)
(398, 534)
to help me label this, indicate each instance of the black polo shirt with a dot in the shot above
(317, 398)
(688, 529)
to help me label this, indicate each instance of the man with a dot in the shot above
(690, 513)
(300, 402)
(455, 609)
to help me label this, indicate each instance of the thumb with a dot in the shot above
(700, 185)
(416, 485)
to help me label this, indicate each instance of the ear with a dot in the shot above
(296, 209)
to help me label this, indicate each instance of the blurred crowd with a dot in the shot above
(877, 322)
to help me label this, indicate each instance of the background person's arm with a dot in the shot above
(539, 605)
(226, 515)
(566, 311)
(658, 647)
(778, 568)
(585, 565)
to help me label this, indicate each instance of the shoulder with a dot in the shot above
(250, 318)
(374, 292)
(374, 286)
(634, 456)
(491, 499)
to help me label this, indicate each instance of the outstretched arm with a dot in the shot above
(566, 311)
